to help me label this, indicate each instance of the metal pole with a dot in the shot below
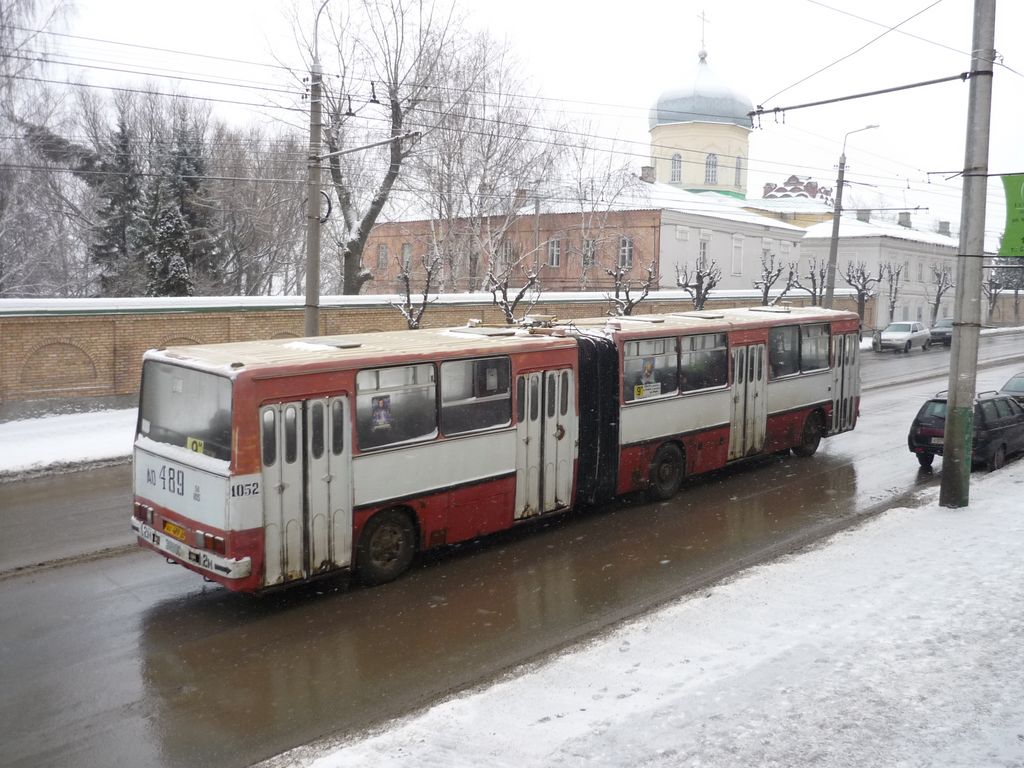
(833, 246)
(963, 361)
(313, 174)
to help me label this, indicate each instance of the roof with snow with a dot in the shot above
(851, 227)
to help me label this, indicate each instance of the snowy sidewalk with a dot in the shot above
(32, 445)
(899, 643)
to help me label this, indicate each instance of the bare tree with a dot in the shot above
(893, 275)
(938, 286)
(857, 277)
(991, 287)
(623, 299)
(699, 281)
(413, 311)
(394, 49)
(497, 282)
(476, 165)
(815, 276)
(770, 274)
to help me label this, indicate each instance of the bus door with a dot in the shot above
(546, 441)
(307, 501)
(845, 382)
(328, 484)
(749, 401)
(281, 428)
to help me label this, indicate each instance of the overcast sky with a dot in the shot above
(609, 66)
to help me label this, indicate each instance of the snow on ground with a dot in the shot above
(32, 444)
(898, 643)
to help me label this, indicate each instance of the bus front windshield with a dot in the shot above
(188, 408)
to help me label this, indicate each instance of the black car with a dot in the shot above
(998, 429)
(1014, 387)
(942, 331)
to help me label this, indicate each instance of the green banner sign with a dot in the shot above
(1013, 237)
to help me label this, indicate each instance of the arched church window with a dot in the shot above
(711, 169)
(739, 171)
(677, 168)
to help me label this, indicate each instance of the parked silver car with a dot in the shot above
(902, 337)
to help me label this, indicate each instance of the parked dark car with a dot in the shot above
(942, 331)
(998, 430)
(1014, 387)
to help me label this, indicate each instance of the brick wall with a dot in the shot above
(98, 352)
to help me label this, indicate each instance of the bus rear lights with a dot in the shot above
(143, 513)
(211, 543)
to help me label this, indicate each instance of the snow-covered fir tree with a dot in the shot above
(167, 266)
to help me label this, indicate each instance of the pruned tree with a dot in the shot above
(413, 311)
(938, 286)
(991, 286)
(497, 283)
(622, 298)
(700, 281)
(396, 50)
(862, 281)
(893, 276)
(770, 274)
(815, 277)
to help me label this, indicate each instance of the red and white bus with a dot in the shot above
(267, 463)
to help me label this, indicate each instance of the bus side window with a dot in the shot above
(814, 347)
(475, 394)
(704, 361)
(784, 350)
(396, 404)
(269, 438)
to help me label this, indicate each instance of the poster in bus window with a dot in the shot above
(382, 412)
(648, 385)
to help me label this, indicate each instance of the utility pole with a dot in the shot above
(837, 212)
(313, 179)
(963, 360)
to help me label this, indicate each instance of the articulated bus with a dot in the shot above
(263, 464)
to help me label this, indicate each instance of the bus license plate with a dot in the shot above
(174, 530)
(936, 441)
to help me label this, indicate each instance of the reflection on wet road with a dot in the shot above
(129, 661)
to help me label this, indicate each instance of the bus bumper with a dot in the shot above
(200, 559)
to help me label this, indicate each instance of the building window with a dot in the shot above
(739, 171)
(589, 252)
(554, 253)
(920, 272)
(703, 257)
(626, 251)
(382, 256)
(737, 254)
(505, 255)
(711, 169)
(677, 168)
(406, 256)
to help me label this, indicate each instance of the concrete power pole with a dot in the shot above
(963, 363)
(833, 246)
(312, 311)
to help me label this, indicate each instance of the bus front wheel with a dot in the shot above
(666, 472)
(386, 547)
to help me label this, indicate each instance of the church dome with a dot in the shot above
(707, 100)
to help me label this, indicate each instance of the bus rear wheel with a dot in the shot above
(666, 472)
(386, 547)
(810, 437)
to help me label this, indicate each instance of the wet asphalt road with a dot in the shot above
(128, 661)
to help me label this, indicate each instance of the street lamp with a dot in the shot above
(833, 248)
